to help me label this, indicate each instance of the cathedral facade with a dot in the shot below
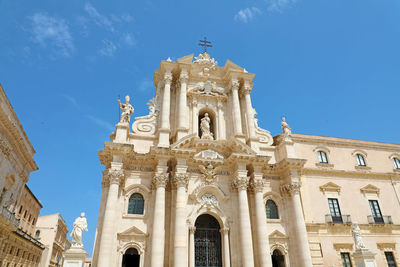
(198, 183)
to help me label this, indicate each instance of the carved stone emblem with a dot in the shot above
(209, 173)
(208, 154)
(208, 88)
(209, 200)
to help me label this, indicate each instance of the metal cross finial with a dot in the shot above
(204, 43)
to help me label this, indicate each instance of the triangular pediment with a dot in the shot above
(277, 235)
(133, 231)
(330, 187)
(370, 189)
(186, 59)
(230, 65)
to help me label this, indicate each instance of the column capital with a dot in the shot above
(168, 77)
(290, 189)
(241, 182)
(257, 185)
(224, 230)
(235, 84)
(181, 179)
(246, 88)
(183, 77)
(112, 176)
(160, 180)
(192, 229)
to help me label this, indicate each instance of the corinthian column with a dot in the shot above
(241, 182)
(158, 235)
(263, 256)
(108, 235)
(183, 113)
(237, 118)
(165, 111)
(180, 240)
(249, 109)
(302, 250)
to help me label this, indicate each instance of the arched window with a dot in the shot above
(271, 209)
(136, 204)
(37, 233)
(360, 160)
(322, 157)
(396, 162)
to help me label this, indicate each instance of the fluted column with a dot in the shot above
(292, 193)
(158, 235)
(108, 235)
(237, 119)
(226, 252)
(180, 240)
(183, 113)
(249, 109)
(165, 111)
(263, 255)
(241, 182)
(192, 229)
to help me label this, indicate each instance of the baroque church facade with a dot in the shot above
(198, 183)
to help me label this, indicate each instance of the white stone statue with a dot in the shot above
(359, 243)
(80, 225)
(285, 127)
(126, 109)
(205, 128)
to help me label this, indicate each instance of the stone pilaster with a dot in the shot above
(237, 118)
(221, 122)
(291, 191)
(226, 249)
(192, 230)
(158, 235)
(241, 183)
(164, 132)
(195, 125)
(113, 177)
(246, 90)
(182, 106)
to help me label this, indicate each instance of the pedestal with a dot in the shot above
(121, 132)
(74, 257)
(364, 258)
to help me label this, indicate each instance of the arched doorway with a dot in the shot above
(131, 258)
(207, 241)
(278, 259)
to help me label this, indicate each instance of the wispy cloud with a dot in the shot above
(247, 14)
(72, 100)
(144, 85)
(108, 49)
(49, 31)
(128, 39)
(98, 18)
(279, 5)
(100, 122)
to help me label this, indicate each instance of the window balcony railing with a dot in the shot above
(343, 219)
(380, 220)
(10, 216)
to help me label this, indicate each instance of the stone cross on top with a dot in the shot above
(204, 43)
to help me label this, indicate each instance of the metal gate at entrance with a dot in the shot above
(207, 239)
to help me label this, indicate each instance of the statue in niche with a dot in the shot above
(359, 243)
(80, 225)
(205, 128)
(285, 127)
(126, 109)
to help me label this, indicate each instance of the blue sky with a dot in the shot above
(331, 66)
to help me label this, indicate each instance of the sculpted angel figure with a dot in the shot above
(80, 225)
(209, 172)
(205, 128)
(359, 243)
(126, 109)
(285, 127)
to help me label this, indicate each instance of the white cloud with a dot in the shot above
(52, 31)
(102, 123)
(144, 85)
(279, 5)
(72, 100)
(247, 14)
(98, 18)
(128, 39)
(108, 48)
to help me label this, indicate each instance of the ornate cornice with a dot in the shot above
(160, 180)
(290, 189)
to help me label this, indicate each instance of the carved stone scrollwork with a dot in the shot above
(209, 173)
(290, 189)
(263, 135)
(5, 146)
(241, 182)
(146, 125)
(160, 179)
(181, 179)
(257, 185)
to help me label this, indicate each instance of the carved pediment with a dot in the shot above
(277, 235)
(132, 232)
(207, 88)
(330, 187)
(208, 154)
(370, 189)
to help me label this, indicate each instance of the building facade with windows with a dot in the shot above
(197, 182)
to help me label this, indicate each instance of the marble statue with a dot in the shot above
(359, 243)
(126, 109)
(205, 128)
(80, 225)
(285, 127)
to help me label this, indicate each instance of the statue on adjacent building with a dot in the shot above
(285, 127)
(359, 243)
(126, 109)
(80, 225)
(205, 128)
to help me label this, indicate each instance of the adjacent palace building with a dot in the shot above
(197, 182)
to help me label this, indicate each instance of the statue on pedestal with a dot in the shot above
(126, 109)
(205, 128)
(80, 225)
(285, 127)
(359, 243)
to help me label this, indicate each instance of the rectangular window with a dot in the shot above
(335, 210)
(360, 160)
(396, 162)
(376, 211)
(346, 259)
(390, 259)
(322, 157)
